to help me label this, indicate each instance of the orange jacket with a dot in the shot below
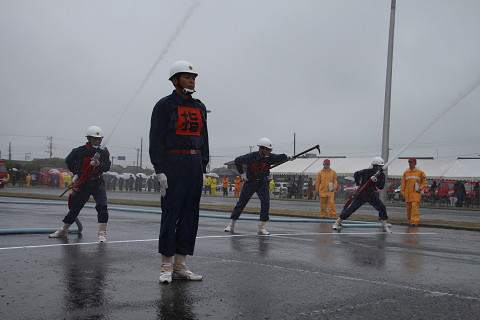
(225, 183)
(237, 183)
(408, 189)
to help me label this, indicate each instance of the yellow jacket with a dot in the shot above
(324, 177)
(408, 189)
(208, 181)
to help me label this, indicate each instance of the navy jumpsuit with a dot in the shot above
(257, 169)
(77, 161)
(369, 194)
(179, 149)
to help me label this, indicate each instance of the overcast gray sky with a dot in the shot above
(266, 69)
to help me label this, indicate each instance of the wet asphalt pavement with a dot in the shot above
(300, 271)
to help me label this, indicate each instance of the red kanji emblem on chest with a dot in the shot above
(189, 121)
(259, 167)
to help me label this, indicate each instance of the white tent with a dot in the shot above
(464, 169)
(455, 169)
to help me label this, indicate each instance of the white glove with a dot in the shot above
(356, 188)
(74, 179)
(373, 178)
(162, 180)
(290, 158)
(244, 176)
(94, 162)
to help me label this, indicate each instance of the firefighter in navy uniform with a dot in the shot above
(79, 161)
(179, 153)
(256, 181)
(375, 178)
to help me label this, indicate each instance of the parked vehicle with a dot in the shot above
(469, 188)
(281, 189)
(444, 187)
(3, 174)
(392, 185)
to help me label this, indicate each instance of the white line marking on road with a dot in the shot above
(215, 237)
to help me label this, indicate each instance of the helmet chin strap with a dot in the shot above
(188, 91)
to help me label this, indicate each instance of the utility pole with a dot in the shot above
(9, 150)
(113, 157)
(388, 96)
(141, 152)
(294, 142)
(51, 146)
(138, 154)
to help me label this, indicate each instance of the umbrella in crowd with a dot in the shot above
(112, 173)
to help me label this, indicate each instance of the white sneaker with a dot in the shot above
(60, 233)
(102, 237)
(386, 229)
(165, 277)
(229, 228)
(263, 231)
(186, 275)
(337, 226)
(166, 274)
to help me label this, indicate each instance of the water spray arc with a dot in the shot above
(452, 105)
(162, 54)
(88, 171)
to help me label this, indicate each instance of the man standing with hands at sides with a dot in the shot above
(255, 176)
(238, 185)
(326, 184)
(225, 186)
(179, 153)
(413, 183)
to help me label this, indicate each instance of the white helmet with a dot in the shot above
(94, 131)
(181, 67)
(266, 143)
(377, 161)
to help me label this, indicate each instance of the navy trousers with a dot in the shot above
(249, 188)
(181, 204)
(95, 188)
(360, 200)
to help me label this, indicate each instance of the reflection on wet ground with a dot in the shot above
(300, 271)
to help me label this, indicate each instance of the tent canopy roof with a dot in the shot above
(455, 169)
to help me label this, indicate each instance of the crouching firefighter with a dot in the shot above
(87, 163)
(366, 183)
